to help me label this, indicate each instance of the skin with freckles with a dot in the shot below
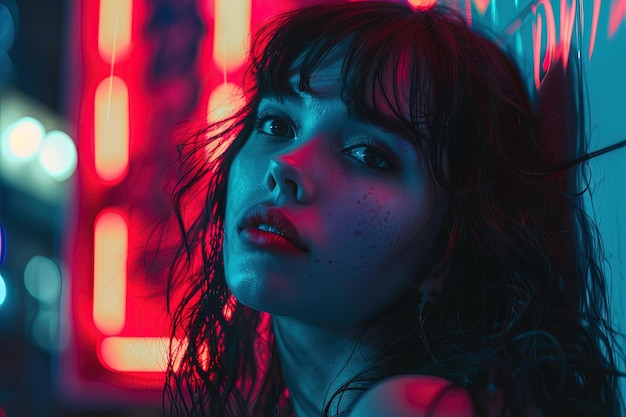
(367, 213)
(359, 197)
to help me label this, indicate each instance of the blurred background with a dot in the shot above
(92, 94)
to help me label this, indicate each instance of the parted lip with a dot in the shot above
(275, 217)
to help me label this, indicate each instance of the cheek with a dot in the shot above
(383, 218)
(369, 228)
(245, 179)
(238, 177)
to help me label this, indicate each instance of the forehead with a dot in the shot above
(384, 86)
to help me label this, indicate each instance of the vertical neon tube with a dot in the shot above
(232, 25)
(111, 131)
(114, 29)
(110, 257)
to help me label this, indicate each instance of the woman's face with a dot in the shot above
(328, 219)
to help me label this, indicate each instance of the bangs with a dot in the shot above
(386, 55)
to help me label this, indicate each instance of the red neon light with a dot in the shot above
(114, 29)
(568, 16)
(137, 354)
(554, 51)
(232, 26)
(111, 135)
(110, 259)
(594, 25)
(617, 15)
(422, 3)
(481, 5)
(113, 112)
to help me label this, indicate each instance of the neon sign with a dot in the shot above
(121, 335)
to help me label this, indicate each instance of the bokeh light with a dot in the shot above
(42, 279)
(224, 101)
(23, 138)
(45, 330)
(58, 156)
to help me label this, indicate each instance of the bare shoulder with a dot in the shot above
(414, 396)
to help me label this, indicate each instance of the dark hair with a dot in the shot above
(519, 300)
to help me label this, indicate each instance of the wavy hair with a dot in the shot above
(519, 300)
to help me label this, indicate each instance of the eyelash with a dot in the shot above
(265, 116)
(388, 156)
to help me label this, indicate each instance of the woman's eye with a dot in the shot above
(276, 126)
(370, 157)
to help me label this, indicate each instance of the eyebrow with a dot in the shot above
(272, 91)
(281, 96)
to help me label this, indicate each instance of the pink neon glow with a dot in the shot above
(594, 25)
(537, 27)
(468, 12)
(551, 34)
(137, 354)
(568, 16)
(617, 15)
(422, 3)
(537, 40)
(481, 5)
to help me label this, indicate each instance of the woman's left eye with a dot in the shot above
(372, 156)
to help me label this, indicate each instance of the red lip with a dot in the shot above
(278, 234)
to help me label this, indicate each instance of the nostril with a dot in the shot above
(291, 187)
(271, 183)
(287, 180)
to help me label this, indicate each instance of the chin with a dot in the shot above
(259, 296)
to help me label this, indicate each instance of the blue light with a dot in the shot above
(3, 290)
(3, 244)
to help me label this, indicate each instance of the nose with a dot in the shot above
(291, 175)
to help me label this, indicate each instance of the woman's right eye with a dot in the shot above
(277, 126)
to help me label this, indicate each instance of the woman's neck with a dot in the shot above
(316, 362)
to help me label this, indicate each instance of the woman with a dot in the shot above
(388, 233)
